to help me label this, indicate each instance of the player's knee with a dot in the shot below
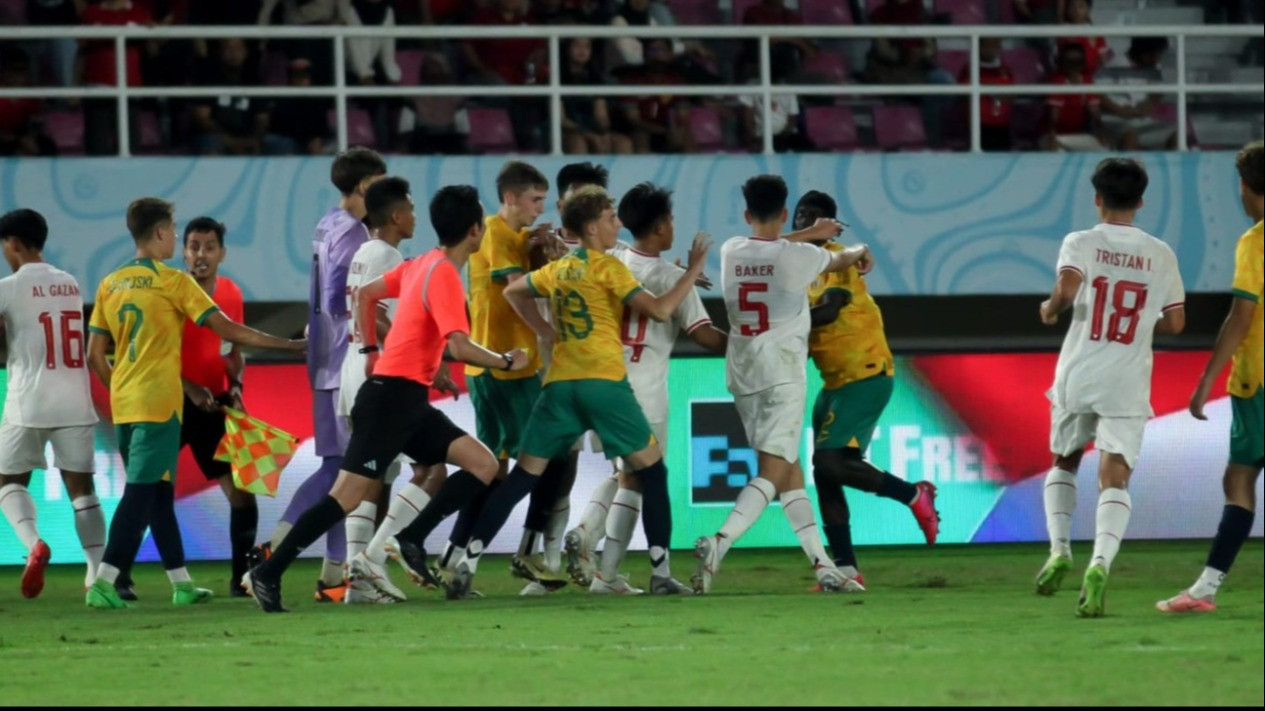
(485, 469)
(1239, 484)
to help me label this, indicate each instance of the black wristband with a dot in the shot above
(509, 361)
(369, 349)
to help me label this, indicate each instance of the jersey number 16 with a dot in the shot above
(71, 339)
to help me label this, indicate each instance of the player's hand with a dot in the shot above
(298, 345)
(702, 281)
(235, 397)
(1199, 399)
(865, 262)
(444, 383)
(201, 397)
(543, 234)
(520, 359)
(1048, 317)
(371, 360)
(825, 228)
(698, 254)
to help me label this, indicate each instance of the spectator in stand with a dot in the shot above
(1097, 53)
(586, 120)
(513, 62)
(1128, 119)
(909, 60)
(237, 12)
(299, 125)
(59, 53)
(232, 125)
(627, 50)
(1072, 120)
(435, 124)
(785, 123)
(786, 53)
(657, 124)
(96, 67)
(555, 12)
(1040, 12)
(995, 111)
(20, 132)
(306, 13)
(367, 56)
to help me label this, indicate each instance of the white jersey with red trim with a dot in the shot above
(648, 343)
(766, 282)
(1131, 281)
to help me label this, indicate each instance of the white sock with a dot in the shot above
(473, 553)
(90, 525)
(1114, 507)
(107, 574)
(620, 524)
(360, 528)
(593, 521)
(659, 564)
(279, 534)
(1060, 504)
(752, 502)
(19, 509)
(799, 513)
(1208, 583)
(332, 572)
(452, 556)
(405, 506)
(555, 530)
(179, 575)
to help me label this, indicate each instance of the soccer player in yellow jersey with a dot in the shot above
(142, 307)
(849, 347)
(1242, 340)
(587, 386)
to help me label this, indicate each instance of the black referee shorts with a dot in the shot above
(202, 432)
(394, 415)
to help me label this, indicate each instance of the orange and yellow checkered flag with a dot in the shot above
(258, 452)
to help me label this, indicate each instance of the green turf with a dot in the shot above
(953, 625)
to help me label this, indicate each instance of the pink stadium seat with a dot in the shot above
(740, 9)
(953, 60)
(831, 128)
(963, 12)
(359, 127)
(149, 134)
(410, 61)
(695, 12)
(828, 65)
(1025, 64)
(825, 12)
(275, 68)
(899, 127)
(706, 129)
(66, 130)
(12, 12)
(491, 131)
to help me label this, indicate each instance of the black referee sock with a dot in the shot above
(516, 488)
(1236, 526)
(311, 525)
(164, 527)
(656, 505)
(460, 536)
(127, 528)
(459, 490)
(243, 526)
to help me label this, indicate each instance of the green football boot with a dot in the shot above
(101, 596)
(1050, 579)
(1093, 602)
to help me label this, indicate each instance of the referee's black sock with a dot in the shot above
(459, 490)
(516, 488)
(243, 526)
(311, 525)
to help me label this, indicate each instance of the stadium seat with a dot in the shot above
(953, 60)
(66, 130)
(410, 61)
(491, 131)
(275, 68)
(12, 12)
(828, 65)
(831, 128)
(359, 127)
(899, 128)
(740, 9)
(706, 129)
(1026, 118)
(149, 135)
(1167, 112)
(695, 12)
(825, 12)
(963, 12)
(872, 5)
(1025, 64)
(1006, 12)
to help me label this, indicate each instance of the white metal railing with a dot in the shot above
(554, 91)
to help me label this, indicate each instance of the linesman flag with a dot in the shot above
(258, 452)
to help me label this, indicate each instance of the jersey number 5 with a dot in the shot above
(1128, 298)
(71, 339)
(746, 305)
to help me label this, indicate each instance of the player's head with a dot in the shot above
(646, 211)
(1147, 52)
(814, 205)
(22, 236)
(766, 200)
(389, 205)
(457, 216)
(1071, 59)
(1119, 184)
(204, 247)
(590, 215)
(522, 189)
(1251, 165)
(152, 222)
(355, 169)
(574, 176)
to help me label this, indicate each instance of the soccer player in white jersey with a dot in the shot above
(765, 279)
(1122, 285)
(48, 399)
(646, 211)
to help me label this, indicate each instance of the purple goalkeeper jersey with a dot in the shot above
(338, 235)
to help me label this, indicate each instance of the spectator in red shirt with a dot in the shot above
(96, 67)
(505, 61)
(1072, 120)
(1096, 50)
(19, 127)
(995, 111)
(785, 52)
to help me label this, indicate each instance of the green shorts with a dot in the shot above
(150, 450)
(845, 417)
(501, 409)
(1247, 433)
(569, 408)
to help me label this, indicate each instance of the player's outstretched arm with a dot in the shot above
(711, 338)
(98, 347)
(858, 255)
(1064, 295)
(1172, 323)
(823, 229)
(234, 332)
(661, 308)
(825, 313)
(467, 351)
(1233, 332)
(520, 297)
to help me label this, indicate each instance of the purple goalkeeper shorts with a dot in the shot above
(332, 433)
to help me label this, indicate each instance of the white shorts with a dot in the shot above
(774, 419)
(22, 448)
(1071, 432)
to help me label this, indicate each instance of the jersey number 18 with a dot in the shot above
(1128, 298)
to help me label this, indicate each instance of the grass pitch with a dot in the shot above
(944, 626)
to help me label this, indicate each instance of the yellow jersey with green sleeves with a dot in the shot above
(143, 306)
(495, 324)
(1248, 373)
(853, 347)
(587, 292)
